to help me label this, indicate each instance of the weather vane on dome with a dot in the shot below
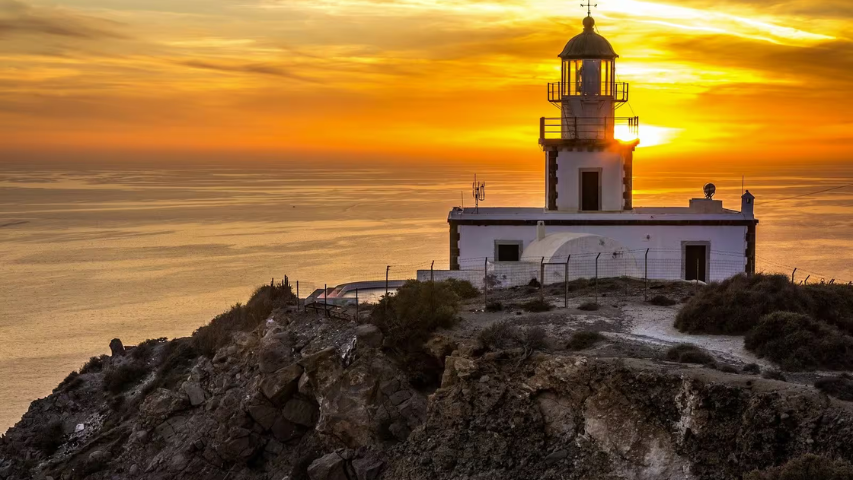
(589, 6)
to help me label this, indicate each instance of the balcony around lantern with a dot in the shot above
(559, 130)
(557, 91)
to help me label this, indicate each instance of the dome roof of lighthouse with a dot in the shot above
(588, 44)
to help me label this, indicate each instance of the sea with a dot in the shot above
(89, 253)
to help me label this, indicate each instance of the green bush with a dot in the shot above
(662, 301)
(806, 467)
(584, 340)
(735, 306)
(408, 318)
(797, 342)
(241, 318)
(589, 306)
(462, 288)
(537, 305)
(840, 387)
(119, 379)
(686, 353)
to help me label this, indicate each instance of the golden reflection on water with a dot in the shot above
(89, 255)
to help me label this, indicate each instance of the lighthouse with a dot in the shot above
(589, 166)
(589, 225)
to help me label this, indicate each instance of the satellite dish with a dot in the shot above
(710, 189)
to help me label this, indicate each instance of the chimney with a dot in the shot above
(540, 230)
(747, 204)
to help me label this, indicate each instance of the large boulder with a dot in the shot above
(368, 336)
(329, 467)
(278, 387)
(116, 348)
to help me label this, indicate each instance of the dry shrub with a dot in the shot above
(146, 348)
(584, 340)
(94, 365)
(589, 306)
(797, 342)
(751, 369)
(686, 353)
(71, 382)
(462, 288)
(806, 467)
(662, 301)
(503, 335)
(494, 307)
(840, 387)
(736, 305)
(537, 305)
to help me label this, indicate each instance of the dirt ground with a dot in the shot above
(633, 327)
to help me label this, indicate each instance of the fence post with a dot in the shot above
(356, 305)
(387, 269)
(806, 281)
(432, 272)
(485, 282)
(792, 275)
(646, 277)
(297, 294)
(326, 299)
(566, 299)
(596, 277)
(542, 278)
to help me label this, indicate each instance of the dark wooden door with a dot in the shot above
(590, 191)
(695, 266)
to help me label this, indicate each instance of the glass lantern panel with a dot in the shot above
(590, 77)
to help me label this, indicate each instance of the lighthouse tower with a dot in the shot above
(588, 149)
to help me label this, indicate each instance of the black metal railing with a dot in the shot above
(558, 91)
(588, 128)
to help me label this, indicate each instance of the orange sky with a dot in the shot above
(736, 81)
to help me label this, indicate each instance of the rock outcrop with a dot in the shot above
(295, 400)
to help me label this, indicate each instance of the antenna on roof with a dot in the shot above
(478, 190)
(589, 6)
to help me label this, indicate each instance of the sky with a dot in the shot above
(755, 81)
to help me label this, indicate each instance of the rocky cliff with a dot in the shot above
(306, 397)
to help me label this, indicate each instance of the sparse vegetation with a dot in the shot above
(584, 340)
(494, 307)
(463, 289)
(71, 382)
(687, 353)
(662, 301)
(806, 467)
(797, 342)
(736, 305)
(840, 387)
(146, 348)
(537, 306)
(94, 365)
(119, 379)
(241, 318)
(589, 306)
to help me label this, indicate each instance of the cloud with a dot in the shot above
(251, 68)
(18, 18)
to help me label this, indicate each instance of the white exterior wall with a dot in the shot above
(727, 245)
(569, 165)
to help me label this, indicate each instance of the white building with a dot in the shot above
(589, 210)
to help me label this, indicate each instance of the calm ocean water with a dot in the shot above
(89, 254)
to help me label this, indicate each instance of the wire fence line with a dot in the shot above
(558, 274)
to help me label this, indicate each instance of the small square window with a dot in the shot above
(508, 252)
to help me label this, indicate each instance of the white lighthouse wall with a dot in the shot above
(569, 166)
(665, 245)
